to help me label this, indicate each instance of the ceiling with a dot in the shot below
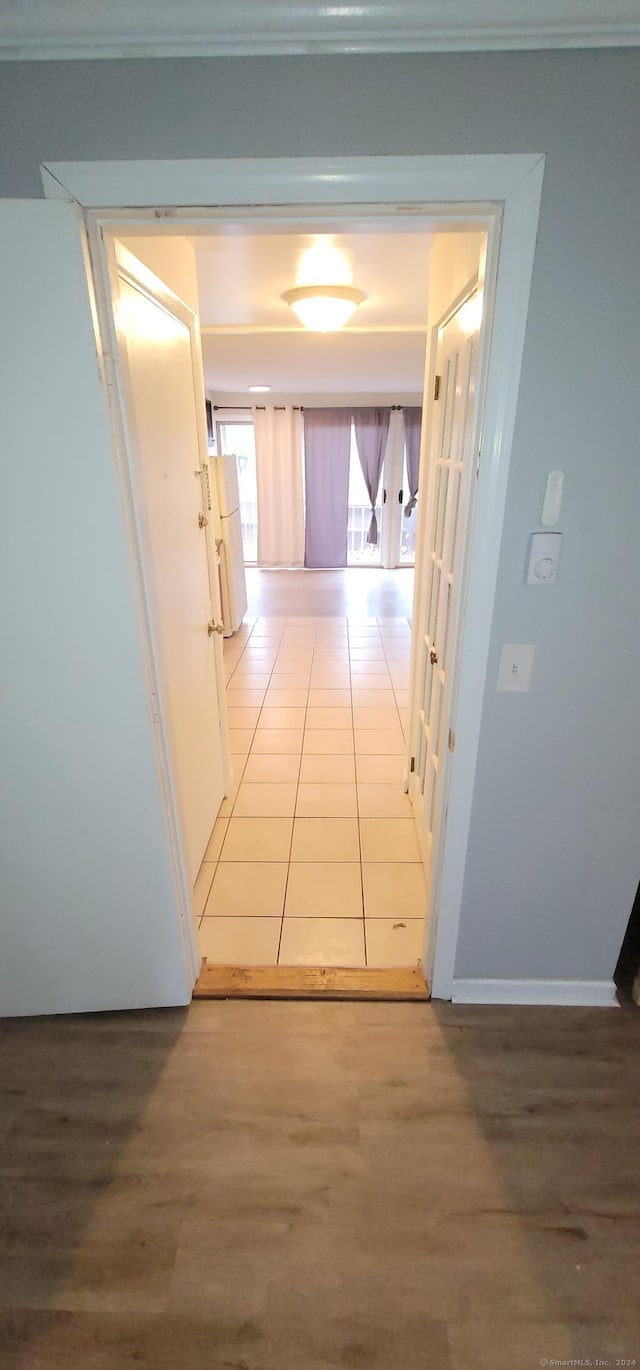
(315, 363)
(200, 28)
(241, 277)
(250, 336)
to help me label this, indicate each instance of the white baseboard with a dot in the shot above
(587, 993)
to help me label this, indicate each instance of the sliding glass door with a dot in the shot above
(359, 551)
(400, 511)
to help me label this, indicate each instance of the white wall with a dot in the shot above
(311, 401)
(454, 261)
(553, 861)
(172, 259)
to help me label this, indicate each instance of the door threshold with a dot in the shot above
(310, 982)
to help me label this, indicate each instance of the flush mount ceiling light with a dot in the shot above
(324, 297)
(259, 389)
(324, 308)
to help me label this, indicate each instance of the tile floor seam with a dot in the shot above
(364, 923)
(293, 825)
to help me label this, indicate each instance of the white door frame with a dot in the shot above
(502, 190)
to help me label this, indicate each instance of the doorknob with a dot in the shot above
(214, 627)
(433, 657)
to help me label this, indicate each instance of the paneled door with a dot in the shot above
(161, 372)
(450, 478)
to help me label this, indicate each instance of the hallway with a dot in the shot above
(314, 859)
(358, 592)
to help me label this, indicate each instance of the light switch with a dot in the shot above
(544, 556)
(516, 664)
(552, 502)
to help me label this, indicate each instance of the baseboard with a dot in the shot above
(587, 993)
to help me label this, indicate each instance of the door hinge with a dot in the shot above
(412, 765)
(207, 484)
(452, 740)
(436, 388)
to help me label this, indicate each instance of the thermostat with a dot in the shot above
(544, 556)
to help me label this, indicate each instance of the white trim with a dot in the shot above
(273, 181)
(270, 27)
(563, 993)
(465, 187)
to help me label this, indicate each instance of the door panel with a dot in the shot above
(452, 457)
(90, 915)
(158, 355)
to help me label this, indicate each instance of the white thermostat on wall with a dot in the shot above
(544, 557)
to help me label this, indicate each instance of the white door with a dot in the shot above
(449, 482)
(161, 375)
(92, 913)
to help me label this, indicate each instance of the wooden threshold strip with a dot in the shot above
(308, 982)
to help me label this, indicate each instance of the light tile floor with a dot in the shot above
(314, 858)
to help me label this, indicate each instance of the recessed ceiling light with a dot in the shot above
(259, 389)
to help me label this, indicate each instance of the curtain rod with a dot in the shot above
(247, 408)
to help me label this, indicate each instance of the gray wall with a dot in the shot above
(553, 860)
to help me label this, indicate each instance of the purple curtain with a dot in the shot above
(327, 437)
(372, 429)
(412, 431)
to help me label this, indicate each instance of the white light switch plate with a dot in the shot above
(552, 499)
(515, 666)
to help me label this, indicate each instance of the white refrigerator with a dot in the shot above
(233, 585)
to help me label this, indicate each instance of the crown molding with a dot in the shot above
(214, 28)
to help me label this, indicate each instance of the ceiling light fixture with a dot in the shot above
(259, 389)
(324, 308)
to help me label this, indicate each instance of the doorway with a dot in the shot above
(315, 859)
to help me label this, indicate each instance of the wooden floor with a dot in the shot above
(271, 1186)
(360, 591)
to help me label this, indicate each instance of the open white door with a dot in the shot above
(449, 481)
(160, 372)
(94, 907)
